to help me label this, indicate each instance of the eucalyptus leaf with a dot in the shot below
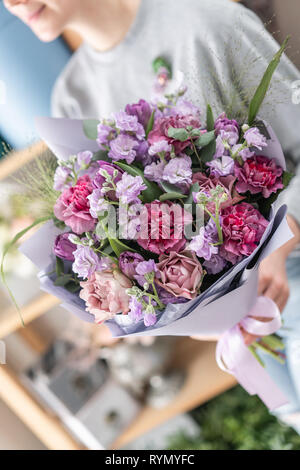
(90, 128)
(180, 134)
(205, 139)
(152, 192)
(263, 87)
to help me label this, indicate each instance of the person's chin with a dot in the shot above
(46, 35)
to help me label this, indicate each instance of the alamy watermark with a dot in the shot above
(2, 353)
(3, 93)
(296, 92)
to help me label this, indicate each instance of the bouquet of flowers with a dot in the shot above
(160, 223)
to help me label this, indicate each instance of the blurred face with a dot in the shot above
(47, 18)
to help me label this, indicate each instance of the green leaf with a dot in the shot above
(195, 188)
(63, 280)
(206, 153)
(90, 128)
(180, 134)
(263, 87)
(150, 123)
(6, 250)
(152, 192)
(118, 246)
(205, 139)
(172, 195)
(210, 121)
(287, 178)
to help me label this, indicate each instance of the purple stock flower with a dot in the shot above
(135, 310)
(142, 153)
(129, 188)
(179, 172)
(83, 160)
(124, 147)
(105, 135)
(223, 166)
(62, 173)
(128, 123)
(202, 245)
(244, 153)
(220, 149)
(150, 319)
(228, 129)
(128, 262)
(254, 138)
(185, 107)
(215, 265)
(143, 268)
(63, 247)
(142, 110)
(100, 179)
(86, 262)
(98, 204)
(159, 147)
(154, 172)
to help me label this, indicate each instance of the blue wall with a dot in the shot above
(28, 70)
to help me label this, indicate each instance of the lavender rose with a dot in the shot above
(181, 274)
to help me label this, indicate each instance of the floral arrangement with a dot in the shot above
(160, 169)
(159, 219)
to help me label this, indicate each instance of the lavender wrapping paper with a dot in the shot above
(213, 312)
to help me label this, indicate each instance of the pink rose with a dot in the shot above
(162, 227)
(259, 174)
(181, 274)
(73, 206)
(226, 182)
(105, 294)
(161, 127)
(243, 226)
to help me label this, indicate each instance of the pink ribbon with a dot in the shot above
(233, 355)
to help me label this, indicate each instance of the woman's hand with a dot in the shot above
(273, 280)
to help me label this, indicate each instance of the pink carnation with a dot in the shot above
(73, 207)
(162, 227)
(181, 274)
(210, 182)
(259, 174)
(161, 126)
(243, 226)
(105, 294)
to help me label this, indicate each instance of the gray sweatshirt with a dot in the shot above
(223, 50)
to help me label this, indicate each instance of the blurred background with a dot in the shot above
(65, 384)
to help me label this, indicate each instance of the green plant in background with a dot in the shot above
(237, 421)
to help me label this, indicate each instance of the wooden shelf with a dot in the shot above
(10, 320)
(47, 428)
(204, 381)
